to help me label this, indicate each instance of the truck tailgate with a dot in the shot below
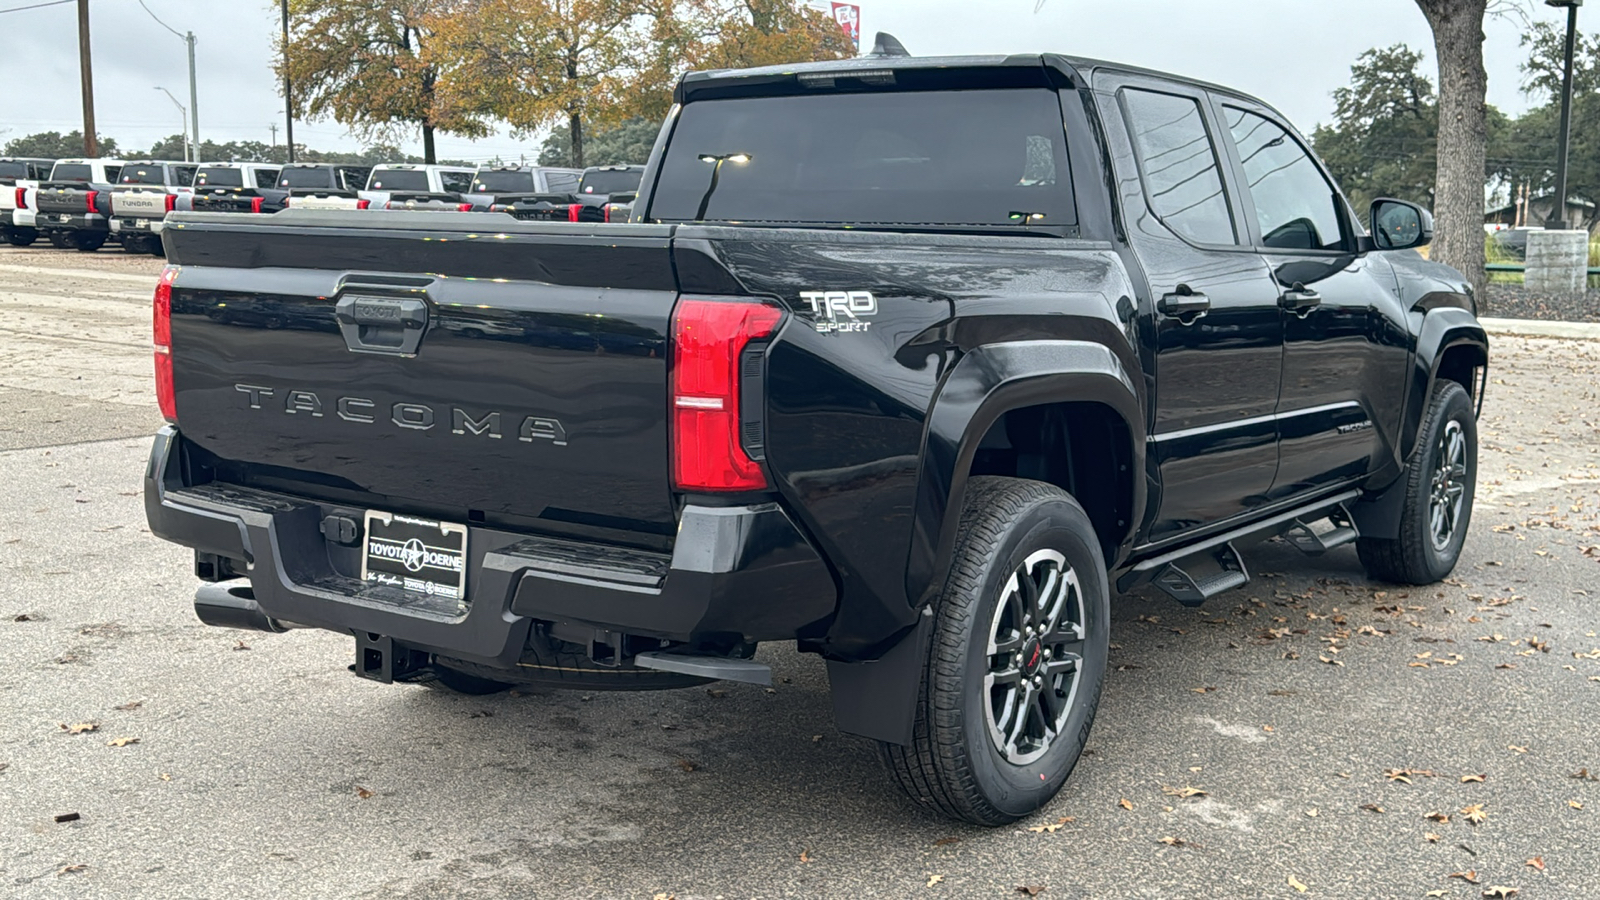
(422, 362)
(141, 203)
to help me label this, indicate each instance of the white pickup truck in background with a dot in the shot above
(415, 180)
(324, 186)
(19, 185)
(235, 187)
(145, 193)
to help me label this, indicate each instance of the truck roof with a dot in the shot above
(994, 70)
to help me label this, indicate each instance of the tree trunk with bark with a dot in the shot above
(427, 144)
(575, 128)
(1463, 136)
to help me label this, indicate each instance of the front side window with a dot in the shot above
(1296, 208)
(982, 158)
(1183, 181)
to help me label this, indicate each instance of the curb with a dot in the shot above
(1535, 328)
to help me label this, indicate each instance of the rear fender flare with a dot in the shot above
(990, 381)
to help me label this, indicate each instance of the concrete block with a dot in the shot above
(1558, 262)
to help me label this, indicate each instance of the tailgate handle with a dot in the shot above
(388, 325)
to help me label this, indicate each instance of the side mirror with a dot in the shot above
(1398, 225)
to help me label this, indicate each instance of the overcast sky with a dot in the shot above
(1292, 53)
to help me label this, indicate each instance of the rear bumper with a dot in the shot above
(17, 218)
(137, 225)
(50, 221)
(735, 571)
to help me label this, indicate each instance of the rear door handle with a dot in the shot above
(1299, 299)
(1184, 303)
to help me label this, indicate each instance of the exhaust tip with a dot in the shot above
(232, 604)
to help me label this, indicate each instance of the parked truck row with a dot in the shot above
(83, 204)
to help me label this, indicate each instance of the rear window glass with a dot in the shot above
(143, 175)
(610, 182)
(13, 169)
(984, 158)
(400, 180)
(561, 182)
(219, 178)
(503, 183)
(71, 172)
(306, 178)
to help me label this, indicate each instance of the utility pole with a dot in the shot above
(274, 127)
(91, 145)
(288, 88)
(194, 98)
(1558, 208)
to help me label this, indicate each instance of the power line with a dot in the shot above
(34, 6)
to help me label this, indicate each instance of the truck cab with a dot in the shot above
(324, 186)
(19, 183)
(235, 187)
(74, 204)
(524, 192)
(145, 192)
(417, 183)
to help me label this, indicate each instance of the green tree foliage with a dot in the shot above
(625, 144)
(363, 64)
(1384, 137)
(55, 145)
(1537, 133)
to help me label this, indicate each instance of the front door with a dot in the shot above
(1345, 345)
(1211, 322)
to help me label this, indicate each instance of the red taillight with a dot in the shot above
(172, 202)
(88, 200)
(255, 204)
(708, 342)
(22, 198)
(363, 204)
(161, 316)
(465, 207)
(608, 212)
(574, 212)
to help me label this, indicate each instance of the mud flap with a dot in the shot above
(878, 699)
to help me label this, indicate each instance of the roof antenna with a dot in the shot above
(888, 45)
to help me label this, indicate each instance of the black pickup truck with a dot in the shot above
(910, 362)
(75, 204)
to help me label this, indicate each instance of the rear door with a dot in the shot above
(1212, 321)
(1345, 342)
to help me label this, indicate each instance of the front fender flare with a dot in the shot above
(1443, 329)
(988, 382)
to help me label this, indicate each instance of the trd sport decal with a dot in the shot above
(840, 311)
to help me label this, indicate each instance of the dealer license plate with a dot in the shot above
(418, 555)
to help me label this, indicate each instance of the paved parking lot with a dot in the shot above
(1342, 735)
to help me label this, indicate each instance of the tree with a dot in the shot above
(538, 63)
(55, 145)
(1385, 129)
(622, 145)
(364, 64)
(1538, 130)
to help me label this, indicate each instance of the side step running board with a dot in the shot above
(1192, 591)
(1314, 543)
(715, 667)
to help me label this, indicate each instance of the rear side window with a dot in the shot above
(266, 177)
(985, 158)
(562, 182)
(71, 172)
(456, 182)
(1182, 179)
(1296, 207)
(184, 175)
(113, 173)
(209, 177)
(400, 180)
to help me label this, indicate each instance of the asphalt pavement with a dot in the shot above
(1313, 734)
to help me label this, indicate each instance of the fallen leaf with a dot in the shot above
(1499, 891)
(1470, 876)
(130, 706)
(68, 870)
(715, 692)
(241, 645)
(1430, 837)
(1516, 748)
(1470, 779)
(1474, 813)
(946, 841)
(1032, 890)
(686, 765)
(1203, 690)
(1330, 661)
(1506, 666)
(934, 879)
(1124, 803)
(1295, 883)
(122, 741)
(1281, 693)
(1185, 792)
(1396, 775)
(1583, 775)
(68, 817)
(1439, 893)
(1536, 862)
(1575, 804)
(805, 856)
(1373, 807)
(1312, 813)
(363, 793)
(1439, 817)
(80, 727)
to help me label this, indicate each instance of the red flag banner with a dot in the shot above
(848, 15)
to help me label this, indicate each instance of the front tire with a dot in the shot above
(88, 243)
(1018, 657)
(1439, 488)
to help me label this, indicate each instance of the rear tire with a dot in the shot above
(87, 243)
(1439, 488)
(22, 237)
(1018, 657)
